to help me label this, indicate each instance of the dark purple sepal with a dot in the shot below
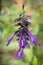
(26, 43)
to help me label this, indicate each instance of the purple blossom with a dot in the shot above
(33, 38)
(20, 53)
(10, 39)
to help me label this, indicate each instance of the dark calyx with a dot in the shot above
(23, 33)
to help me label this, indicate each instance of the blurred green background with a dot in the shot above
(10, 9)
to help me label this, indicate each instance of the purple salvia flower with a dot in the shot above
(20, 53)
(10, 39)
(32, 38)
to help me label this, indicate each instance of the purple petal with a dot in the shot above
(21, 44)
(32, 38)
(20, 53)
(10, 39)
(29, 33)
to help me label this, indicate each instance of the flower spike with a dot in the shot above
(23, 34)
